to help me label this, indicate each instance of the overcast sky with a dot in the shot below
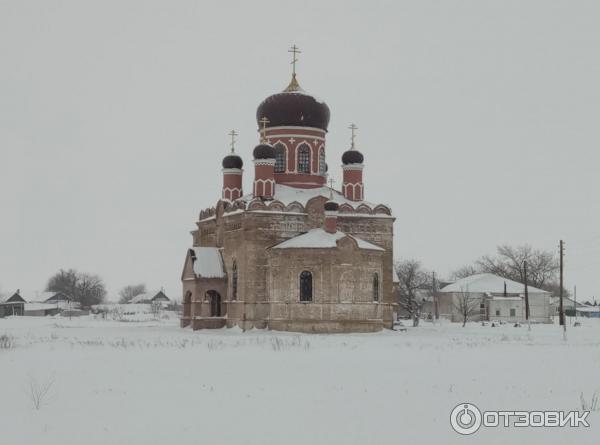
(478, 121)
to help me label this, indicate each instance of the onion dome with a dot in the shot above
(232, 161)
(352, 156)
(294, 107)
(331, 206)
(264, 151)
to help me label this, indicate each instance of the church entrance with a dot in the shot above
(215, 303)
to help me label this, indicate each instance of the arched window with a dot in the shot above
(234, 280)
(280, 158)
(306, 286)
(304, 159)
(322, 165)
(376, 287)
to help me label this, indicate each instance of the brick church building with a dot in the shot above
(293, 254)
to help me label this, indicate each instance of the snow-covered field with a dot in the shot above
(153, 383)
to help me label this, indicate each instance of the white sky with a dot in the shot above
(478, 121)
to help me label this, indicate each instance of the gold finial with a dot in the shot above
(233, 134)
(263, 135)
(294, 85)
(353, 129)
(331, 181)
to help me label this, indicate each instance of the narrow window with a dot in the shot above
(306, 286)
(513, 312)
(234, 280)
(280, 158)
(304, 159)
(376, 287)
(322, 165)
(497, 312)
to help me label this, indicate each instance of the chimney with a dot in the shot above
(331, 214)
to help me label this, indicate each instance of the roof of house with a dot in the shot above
(489, 283)
(208, 262)
(321, 239)
(49, 295)
(14, 298)
(149, 296)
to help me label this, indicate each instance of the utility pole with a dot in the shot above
(561, 315)
(575, 302)
(436, 311)
(526, 294)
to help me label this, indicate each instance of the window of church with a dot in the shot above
(234, 281)
(306, 291)
(280, 158)
(304, 159)
(322, 166)
(376, 287)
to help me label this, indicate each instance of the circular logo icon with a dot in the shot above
(465, 418)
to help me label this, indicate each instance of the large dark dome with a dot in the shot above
(352, 157)
(293, 107)
(232, 161)
(264, 151)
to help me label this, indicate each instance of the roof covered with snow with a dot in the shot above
(208, 262)
(7, 297)
(287, 194)
(320, 239)
(152, 295)
(489, 283)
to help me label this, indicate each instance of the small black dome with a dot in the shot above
(352, 157)
(264, 151)
(232, 161)
(293, 107)
(331, 206)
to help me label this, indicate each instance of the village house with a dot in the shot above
(151, 297)
(12, 304)
(493, 298)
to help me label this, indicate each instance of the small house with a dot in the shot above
(12, 305)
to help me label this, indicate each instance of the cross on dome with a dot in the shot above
(233, 134)
(264, 121)
(353, 129)
(294, 50)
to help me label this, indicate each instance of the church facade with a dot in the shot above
(293, 254)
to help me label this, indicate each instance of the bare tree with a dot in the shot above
(464, 272)
(542, 265)
(466, 305)
(413, 287)
(85, 288)
(131, 291)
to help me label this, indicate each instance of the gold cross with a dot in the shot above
(294, 50)
(331, 181)
(233, 134)
(352, 128)
(264, 121)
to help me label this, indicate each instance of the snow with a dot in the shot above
(320, 239)
(152, 383)
(287, 195)
(489, 283)
(208, 263)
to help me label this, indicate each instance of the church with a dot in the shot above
(293, 254)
